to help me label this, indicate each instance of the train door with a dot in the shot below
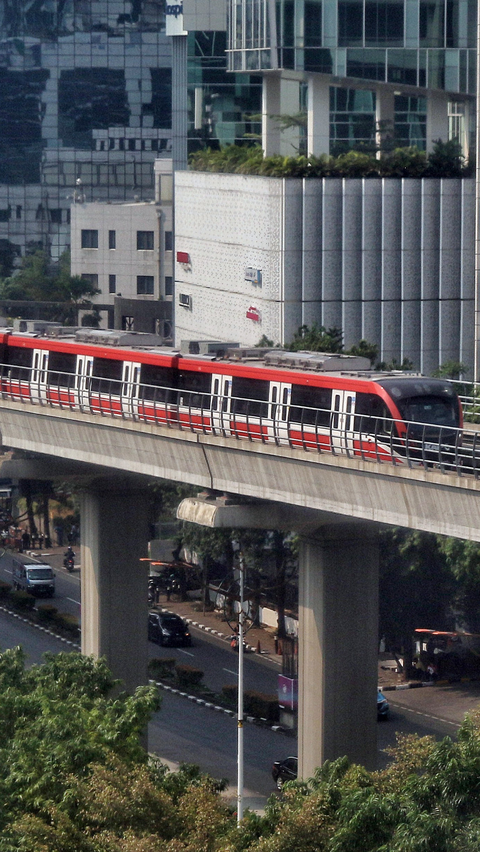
(280, 394)
(342, 420)
(130, 388)
(221, 402)
(38, 379)
(83, 381)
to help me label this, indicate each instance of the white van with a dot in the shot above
(36, 578)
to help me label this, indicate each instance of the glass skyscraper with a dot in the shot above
(425, 43)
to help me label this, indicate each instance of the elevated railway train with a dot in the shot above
(308, 400)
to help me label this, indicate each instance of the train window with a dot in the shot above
(371, 414)
(310, 405)
(106, 375)
(250, 397)
(20, 361)
(196, 389)
(429, 409)
(155, 380)
(60, 365)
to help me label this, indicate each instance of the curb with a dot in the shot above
(414, 685)
(216, 707)
(39, 627)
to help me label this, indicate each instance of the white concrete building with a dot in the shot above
(126, 250)
(388, 260)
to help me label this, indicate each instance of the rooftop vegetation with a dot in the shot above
(444, 161)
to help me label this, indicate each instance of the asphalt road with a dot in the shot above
(186, 732)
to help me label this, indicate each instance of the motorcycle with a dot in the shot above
(69, 563)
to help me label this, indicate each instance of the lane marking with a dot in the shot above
(73, 600)
(188, 653)
(230, 671)
(427, 715)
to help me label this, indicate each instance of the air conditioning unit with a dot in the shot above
(184, 300)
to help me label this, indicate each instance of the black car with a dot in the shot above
(166, 628)
(284, 770)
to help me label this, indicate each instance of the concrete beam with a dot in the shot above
(225, 511)
(416, 498)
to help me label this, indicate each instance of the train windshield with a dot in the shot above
(428, 409)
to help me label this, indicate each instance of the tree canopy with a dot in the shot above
(38, 279)
(74, 778)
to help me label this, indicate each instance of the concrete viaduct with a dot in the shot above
(335, 503)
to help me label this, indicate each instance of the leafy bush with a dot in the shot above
(229, 692)
(254, 703)
(22, 600)
(444, 161)
(5, 589)
(188, 675)
(47, 612)
(159, 669)
(69, 623)
(261, 706)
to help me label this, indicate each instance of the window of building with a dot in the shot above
(92, 278)
(168, 285)
(112, 239)
(144, 240)
(112, 283)
(19, 211)
(56, 216)
(89, 239)
(168, 241)
(384, 22)
(145, 285)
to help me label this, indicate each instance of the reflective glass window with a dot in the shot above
(402, 67)
(432, 23)
(350, 22)
(313, 23)
(411, 121)
(368, 64)
(383, 22)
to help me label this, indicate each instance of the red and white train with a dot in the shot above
(314, 401)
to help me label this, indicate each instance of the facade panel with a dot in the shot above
(394, 266)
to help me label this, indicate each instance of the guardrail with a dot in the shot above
(376, 439)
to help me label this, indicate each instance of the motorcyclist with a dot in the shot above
(69, 556)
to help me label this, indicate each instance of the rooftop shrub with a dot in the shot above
(444, 161)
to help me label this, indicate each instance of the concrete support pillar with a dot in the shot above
(280, 96)
(437, 118)
(318, 127)
(114, 582)
(338, 647)
(384, 115)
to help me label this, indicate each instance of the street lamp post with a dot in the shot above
(240, 696)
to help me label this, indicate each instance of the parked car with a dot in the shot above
(382, 705)
(166, 628)
(284, 770)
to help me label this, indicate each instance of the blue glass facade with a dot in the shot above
(427, 43)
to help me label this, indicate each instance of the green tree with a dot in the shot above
(40, 280)
(317, 339)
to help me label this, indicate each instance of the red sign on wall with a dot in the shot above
(183, 257)
(253, 314)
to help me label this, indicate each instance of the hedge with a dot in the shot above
(444, 161)
(188, 675)
(161, 669)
